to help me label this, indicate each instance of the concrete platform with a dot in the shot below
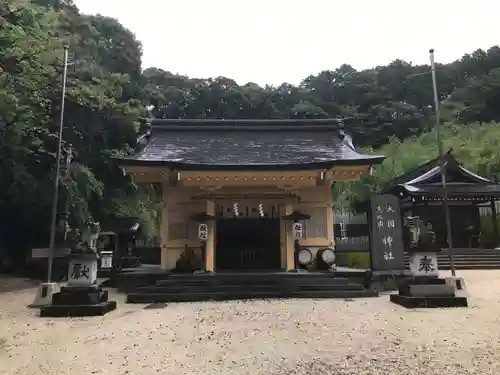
(61, 311)
(130, 280)
(152, 287)
(428, 302)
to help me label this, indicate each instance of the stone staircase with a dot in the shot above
(236, 286)
(468, 259)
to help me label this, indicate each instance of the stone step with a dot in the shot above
(468, 266)
(243, 295)
(247, 281)
(467, 261)
(253, 276)
(472, 267)
(467, 256)
(253, 288)
(486, 257)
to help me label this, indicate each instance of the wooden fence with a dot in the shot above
(351, 232)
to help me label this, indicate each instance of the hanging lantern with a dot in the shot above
(236, 209)
(261, 210)
(202, 232)
(297, 230)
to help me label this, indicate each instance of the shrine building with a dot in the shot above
(242, 179)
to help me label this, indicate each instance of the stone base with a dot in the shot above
(430, 291)
(104, 273)
(79, 301)
(60, 311)
(428, 302)
(44, 294)
(80, 295)
(457, 282)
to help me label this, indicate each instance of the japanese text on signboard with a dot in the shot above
(386, 239)
(386, 223)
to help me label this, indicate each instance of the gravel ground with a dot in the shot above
(366, 336)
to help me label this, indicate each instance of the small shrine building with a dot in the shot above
(242, 177)
(420, 192)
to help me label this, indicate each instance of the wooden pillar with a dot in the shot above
(281, 213)
(495, 221)
(329, 225)
(289, 240)
(164, 228)
(210, 244)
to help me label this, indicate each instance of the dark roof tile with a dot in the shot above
(247, 143)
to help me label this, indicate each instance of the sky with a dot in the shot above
(275, 41)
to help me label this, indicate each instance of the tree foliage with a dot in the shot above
(476, 145)
(102, 114)
(386, 107)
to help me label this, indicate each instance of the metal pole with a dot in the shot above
(58, 169)
(439, 139)
(66, 204)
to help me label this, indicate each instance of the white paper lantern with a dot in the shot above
(297, 230)
(236, 209)
(261, 210)
(203, 232)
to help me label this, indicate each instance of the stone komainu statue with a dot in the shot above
(86, 241)
(419, 236)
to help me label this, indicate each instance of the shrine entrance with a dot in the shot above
(247, 244)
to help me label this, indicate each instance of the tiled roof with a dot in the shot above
(430, 172)
(228, 144)
(425, 180)
(454, 189)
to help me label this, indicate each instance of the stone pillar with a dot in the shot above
(164, 229)
(210, 244)
(289, 240)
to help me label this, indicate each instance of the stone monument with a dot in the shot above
(425, 288)
(83, 296)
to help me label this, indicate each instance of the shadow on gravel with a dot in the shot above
(9, 283)
(155, 306)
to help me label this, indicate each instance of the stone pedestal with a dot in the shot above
(83, 296)
(83, 270)
(424, 264)
(426, 289)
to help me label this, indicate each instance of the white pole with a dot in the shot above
(58, 169)
(439, 139)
